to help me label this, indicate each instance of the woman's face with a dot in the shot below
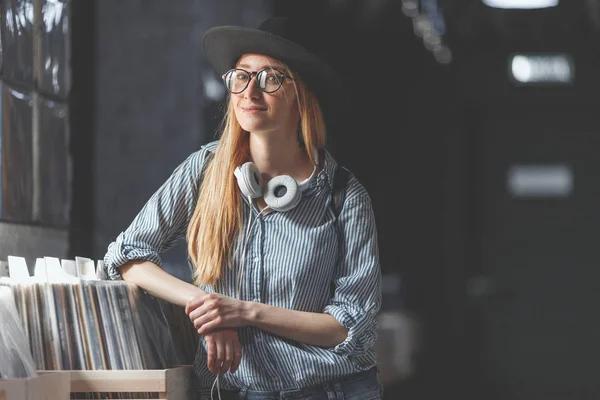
(257, 111)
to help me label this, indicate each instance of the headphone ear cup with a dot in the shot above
(282, 193)
(249, 179)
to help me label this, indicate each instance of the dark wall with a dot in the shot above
(150, 102)
(528, 260)
(519, 300)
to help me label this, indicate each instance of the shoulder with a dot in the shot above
(353, 190)
(197, 160)
(210, 146)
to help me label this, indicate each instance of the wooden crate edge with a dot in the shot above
(50, 385)
(170, 381)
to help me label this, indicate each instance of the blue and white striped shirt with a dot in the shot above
(303, 259)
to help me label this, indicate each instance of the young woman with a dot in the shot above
(287, 283)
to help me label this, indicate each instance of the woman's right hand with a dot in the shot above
(224, 350)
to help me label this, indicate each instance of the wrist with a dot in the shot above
(192, 292)
(250, 310)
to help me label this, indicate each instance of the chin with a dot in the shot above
(252, 127)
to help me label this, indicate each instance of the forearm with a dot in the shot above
(159, 283)
(316, 329)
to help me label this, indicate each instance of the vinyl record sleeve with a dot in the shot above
(79, 349)
(108, 327)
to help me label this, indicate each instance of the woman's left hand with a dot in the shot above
(212, 311)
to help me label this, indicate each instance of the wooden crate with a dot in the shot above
(45, 386)
(170, 384)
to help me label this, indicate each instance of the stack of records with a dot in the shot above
(16, 360)
(74, 321)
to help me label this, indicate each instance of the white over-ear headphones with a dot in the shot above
(282, 192)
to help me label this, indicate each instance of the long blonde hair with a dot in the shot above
(217, 218)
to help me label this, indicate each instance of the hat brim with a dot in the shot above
(224, 45)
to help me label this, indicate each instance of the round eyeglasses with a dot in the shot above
(269, 79)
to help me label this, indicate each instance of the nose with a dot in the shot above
(252, 90)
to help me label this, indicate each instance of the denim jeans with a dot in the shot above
(361, 386)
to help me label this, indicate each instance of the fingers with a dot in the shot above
(199, 307)
(205, 328)
(200, 319)
(198, 322)
(197, 312)
(199, 301)
(237, 356)
(211, 354)
(220, 355)
(224, 351)
(194, 303)
(228, 357)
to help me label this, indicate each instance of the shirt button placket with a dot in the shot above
(256, 267)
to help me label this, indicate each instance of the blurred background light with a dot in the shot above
(540, 180)
(542, 68)
(521, 4)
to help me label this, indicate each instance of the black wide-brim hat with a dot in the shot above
(281, 38)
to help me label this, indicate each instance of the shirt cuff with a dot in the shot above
(361, 332)
(119, 254)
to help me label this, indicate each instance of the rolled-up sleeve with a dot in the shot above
(357, 283)
(162, 221)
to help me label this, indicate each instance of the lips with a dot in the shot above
(253, 108)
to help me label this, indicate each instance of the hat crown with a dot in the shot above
(286, 28)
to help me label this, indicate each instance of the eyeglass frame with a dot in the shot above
(253, 74)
